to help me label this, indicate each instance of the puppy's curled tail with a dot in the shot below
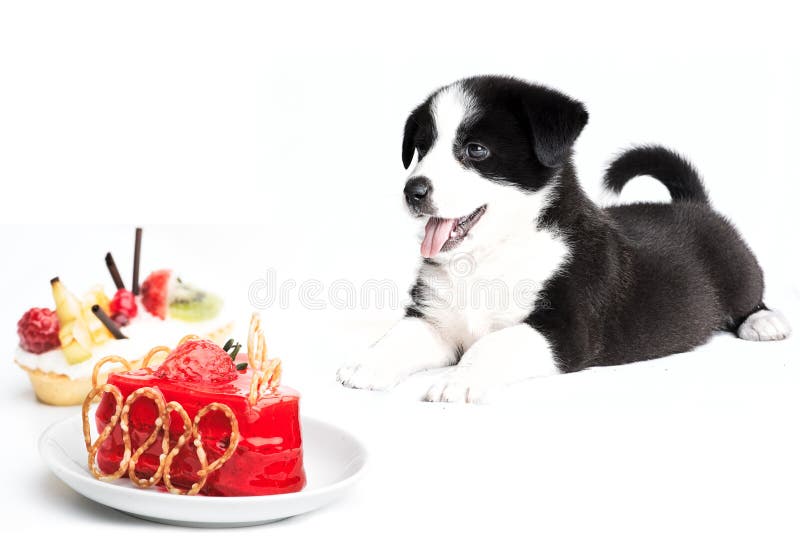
(678, 175)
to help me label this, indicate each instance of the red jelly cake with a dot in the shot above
(208, 420)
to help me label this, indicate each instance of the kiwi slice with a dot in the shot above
(188, 303)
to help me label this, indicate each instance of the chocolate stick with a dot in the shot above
(112, 268)
(106, 320)
(137, 251)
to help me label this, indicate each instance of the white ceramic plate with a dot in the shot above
(334, 460)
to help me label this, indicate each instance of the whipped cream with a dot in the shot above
(144, 332)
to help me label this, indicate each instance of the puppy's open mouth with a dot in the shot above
(442, 234)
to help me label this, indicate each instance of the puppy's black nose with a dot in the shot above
(417, 188)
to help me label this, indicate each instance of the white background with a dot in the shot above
(282, 128)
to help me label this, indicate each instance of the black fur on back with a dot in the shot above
(678, 175)
(647, 279)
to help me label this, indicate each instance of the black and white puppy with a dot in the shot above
(573, 285)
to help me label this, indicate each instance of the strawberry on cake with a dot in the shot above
(59, 347)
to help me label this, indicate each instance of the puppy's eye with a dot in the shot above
(477, 152)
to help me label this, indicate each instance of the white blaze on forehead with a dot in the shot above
(457, 191)
(451, 108)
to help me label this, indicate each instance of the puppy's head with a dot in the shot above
(484, 147)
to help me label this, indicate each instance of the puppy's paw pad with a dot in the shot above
(458, 388)
(346, 373)
(765, 325)
(361, 376)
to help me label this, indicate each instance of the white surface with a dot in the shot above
(291, 118)
(333, 461)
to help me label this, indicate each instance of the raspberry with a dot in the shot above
(124, 302)
(154, 293)
(38, 330)
(198, 360)
(120, 319)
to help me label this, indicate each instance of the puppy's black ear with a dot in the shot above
(409, 137)
(555, 121)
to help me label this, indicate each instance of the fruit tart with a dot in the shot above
(208, 420)
(59, 347)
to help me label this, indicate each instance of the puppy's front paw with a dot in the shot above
(463, 385)
(364, 376)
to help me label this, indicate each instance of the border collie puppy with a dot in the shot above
(572, 285)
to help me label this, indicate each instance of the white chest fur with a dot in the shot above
(492, 287)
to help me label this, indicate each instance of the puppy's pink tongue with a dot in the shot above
(437, 232)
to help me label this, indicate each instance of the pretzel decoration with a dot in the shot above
(92, 448)
(169, 456)
(187, 338)
(154, 394)
(107, 360)
(153, 352)
(130, 457)
(197, 437)
(266, 373)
